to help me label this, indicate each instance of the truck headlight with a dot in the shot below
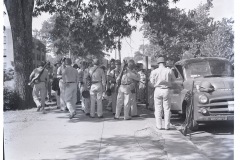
(203, 99)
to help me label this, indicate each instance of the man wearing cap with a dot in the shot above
(70, 79)
(112, 77)
(40, 86)
(49, 83)
(83, 87)
(98, 84)
(125, 90)
(110, 82)
(61, 85)
(55, 83)
(162, 78)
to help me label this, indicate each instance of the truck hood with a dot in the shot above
(218, 82)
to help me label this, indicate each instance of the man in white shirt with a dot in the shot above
(162, 78)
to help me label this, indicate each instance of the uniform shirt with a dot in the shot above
(55, 72)
(44, 76)
(115, 73)
(60, 71)
(97, 75)
(142, 76)
(80, 75)
(129, 76)
(162, 77)
(70, 74)
(50, 72)
(86, 80)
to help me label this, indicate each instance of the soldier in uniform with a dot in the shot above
(98, 84)
(112, 77)
(61, 85)
(125, 90)
(49, 84)
(162, 78)
(55, 84)
(84, 87)
(70, 79)
(110, 81)
(40, 87)
(134, 89)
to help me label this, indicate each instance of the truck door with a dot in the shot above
(175, 91)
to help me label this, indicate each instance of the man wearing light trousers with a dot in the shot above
(162, 78)
(98, 84)
(61, 85)
(125, 90)
(70, 79)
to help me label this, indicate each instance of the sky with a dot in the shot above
(221, 8)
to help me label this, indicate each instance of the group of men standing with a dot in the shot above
(120, 84)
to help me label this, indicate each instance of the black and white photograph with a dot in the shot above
(119, 80)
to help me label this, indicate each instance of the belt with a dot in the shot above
(70, 82)
(93, 82)
(125, 84)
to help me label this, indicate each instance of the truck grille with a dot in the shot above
(219, 106)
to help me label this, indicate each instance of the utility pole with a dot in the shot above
(147, 78)
(119, 48)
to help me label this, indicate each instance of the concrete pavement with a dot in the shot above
(53, 136)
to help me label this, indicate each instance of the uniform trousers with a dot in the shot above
(79, 92)
(49, 90)
(85, 101)
(57, 98)
(62, 95)
(96, 92)
(70, 96)
(162, 102)
(123, 99)
(39, 90)
(133, 107)
(114, 100)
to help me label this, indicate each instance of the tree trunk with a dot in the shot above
(20, 17)
(119, 48)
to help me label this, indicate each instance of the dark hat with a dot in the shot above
(75, 66)
(160, 60)
(118, 62)
(112, 60)
(68, 61)
(86, 94)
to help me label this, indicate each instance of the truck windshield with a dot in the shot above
(210, 68)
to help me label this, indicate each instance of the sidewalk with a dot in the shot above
(54, 136)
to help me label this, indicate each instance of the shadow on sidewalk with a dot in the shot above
(108, 116)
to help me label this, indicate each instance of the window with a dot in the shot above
(43, 58)
(175, 73)
(180, 70)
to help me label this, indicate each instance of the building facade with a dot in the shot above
(39, 52)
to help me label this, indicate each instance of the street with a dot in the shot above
(214, 139)
(33, 135)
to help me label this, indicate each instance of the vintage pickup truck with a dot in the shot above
(212, 81)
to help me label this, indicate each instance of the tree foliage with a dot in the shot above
(194, 30)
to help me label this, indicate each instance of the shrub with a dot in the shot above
(10, 98)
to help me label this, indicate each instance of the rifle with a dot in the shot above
(121, 74)
(36, 79)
